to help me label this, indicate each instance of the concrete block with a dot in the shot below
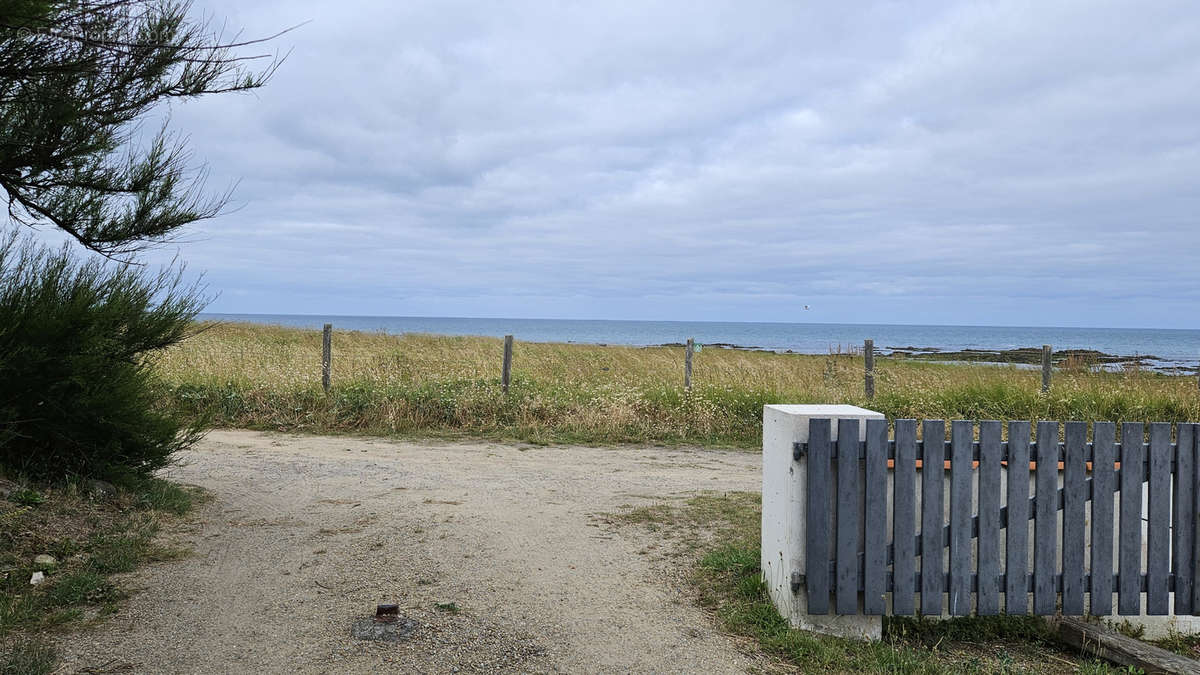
(783, 515)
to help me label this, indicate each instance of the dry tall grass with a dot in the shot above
(270, 377)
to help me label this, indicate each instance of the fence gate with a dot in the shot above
(1091, 503)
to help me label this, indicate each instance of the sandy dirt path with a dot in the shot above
(308, 533)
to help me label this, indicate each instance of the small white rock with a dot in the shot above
(37, 578)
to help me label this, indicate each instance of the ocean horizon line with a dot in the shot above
(202, 315)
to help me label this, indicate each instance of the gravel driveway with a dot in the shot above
(493, 549)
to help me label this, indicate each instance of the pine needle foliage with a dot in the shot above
(76, 390)
(78, 80)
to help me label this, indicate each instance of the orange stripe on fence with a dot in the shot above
(975, 465)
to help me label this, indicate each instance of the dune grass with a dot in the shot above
(269, 377)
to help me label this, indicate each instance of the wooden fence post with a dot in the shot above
(326, 355)
(1047, 352)
(869, 365)
(507, 371)
(687, 364)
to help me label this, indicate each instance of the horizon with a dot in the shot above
(694, 321)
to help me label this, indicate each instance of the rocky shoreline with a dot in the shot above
(1030, 356)
(1027, 355)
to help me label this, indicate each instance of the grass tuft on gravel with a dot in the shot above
(28, 657)
(92, 535)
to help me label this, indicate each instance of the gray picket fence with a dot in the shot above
(862, 543)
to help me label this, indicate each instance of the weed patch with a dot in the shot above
(1180, 643)
(78, 588)
(28, 657)
(91, 536)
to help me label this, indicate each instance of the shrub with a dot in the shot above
(76, 391)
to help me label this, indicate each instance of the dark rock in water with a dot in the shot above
(383, 631)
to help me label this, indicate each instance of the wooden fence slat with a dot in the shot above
(1158, 538)
(988, 599)
(1045, 526)
(1103, 481)
(875, 519)
(1182, 527)
(1196, 519)
(1129, 581)
(849, 521)
(904, 516)
(1016, 563)
(1074, 524)
(962, 433)
(933, 434)
(818, 517)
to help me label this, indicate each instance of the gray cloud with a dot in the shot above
(1022, 162)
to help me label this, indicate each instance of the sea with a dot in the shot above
(1171, 349)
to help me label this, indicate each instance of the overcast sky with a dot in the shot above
(1027, 163)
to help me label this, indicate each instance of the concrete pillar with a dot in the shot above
(783, 515)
